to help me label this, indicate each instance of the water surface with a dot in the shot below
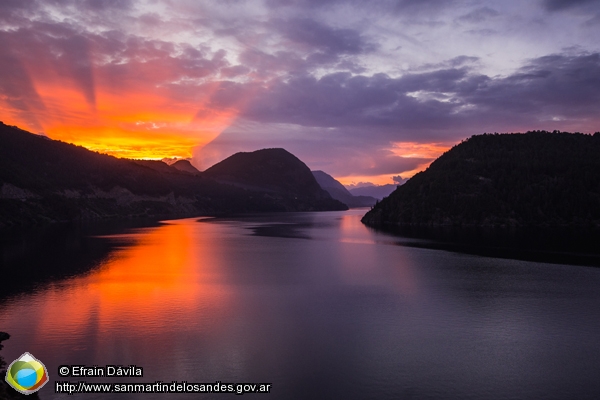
(320, 306)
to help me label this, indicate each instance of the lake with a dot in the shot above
(316, 304)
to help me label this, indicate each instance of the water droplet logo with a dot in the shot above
(26, 374)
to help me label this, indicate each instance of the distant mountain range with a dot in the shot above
(376, 191)
(43, 180)
(533, 179)
(339, 192)
(185, 165)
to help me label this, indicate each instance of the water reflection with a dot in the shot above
(560, 245)
(320, 306)
(164, 284)
(151, 285)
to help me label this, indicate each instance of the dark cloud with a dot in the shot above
(12, 5)
(18, 90)
(264, 64)
(317, 36)
(399, 180)
(106, 4)
(232, 72)
(482, 32)
(419, 6)
(443, 99)
(564, 85)
(455, 62)
(16, 12)
(396, 7)
(343, 100)
(479, 15)
(288, 3)
(558, 5)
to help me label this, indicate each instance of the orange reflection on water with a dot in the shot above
(153, 286)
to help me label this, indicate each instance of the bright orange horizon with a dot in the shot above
(130, 124)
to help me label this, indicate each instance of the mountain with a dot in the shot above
(44, 180)
(534, 179)
(186, 166)
(275, 171)
(339, 192)
(376, 191)
(159, 166)
(165, 167)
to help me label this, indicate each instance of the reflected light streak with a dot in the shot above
(154, 286)
(356, 245)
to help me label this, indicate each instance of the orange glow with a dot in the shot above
(375, 179)
(136, 118)
(161, 279)
(406, 150)
(419, 150)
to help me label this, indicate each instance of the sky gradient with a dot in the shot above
(365, 91)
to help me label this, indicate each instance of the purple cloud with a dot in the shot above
(558, 5)
(317, 36)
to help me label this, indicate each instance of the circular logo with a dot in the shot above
(26, 374)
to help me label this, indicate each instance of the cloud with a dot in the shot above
(559, 83)
(479, 15)
(18, 90)
(456, 62)
(441, 99)
(558, 5)
(106, 4)
(344, 100)
(232, 72)
(412, 6)
(315, 35)
(399, 180)
(420, 6)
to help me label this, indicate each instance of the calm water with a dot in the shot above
(315, 303)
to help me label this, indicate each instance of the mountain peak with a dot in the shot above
(275, 170)
(186, 166)
(339, 192)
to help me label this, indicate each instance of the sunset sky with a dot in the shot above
(365, 91)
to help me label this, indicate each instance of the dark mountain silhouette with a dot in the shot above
(274, 171)
(185, 165)
(44, 180)
(534, 179)
(339, 192)
(155, 165)
(376, 191)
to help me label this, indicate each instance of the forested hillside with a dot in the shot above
(534, 179)
(44, 180)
